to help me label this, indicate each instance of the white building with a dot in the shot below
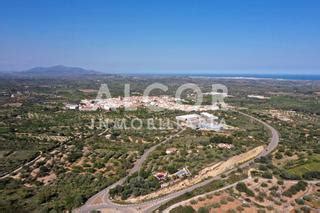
(72, 106)
(188, 118)
(258, 97)
(208, 116)
(171, 150)
(184, 172)
(204, 121)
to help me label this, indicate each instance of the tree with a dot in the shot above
(267, 175)
(311, 175)
(299, 201)
(300, 186)
(278, 155)
(242, 187)
(43, 171)
(74, 155)
(280, 182)
(289, 153)
(221, 139)
(172, 168)
(288, 176)
(203, 210)
(183, 209)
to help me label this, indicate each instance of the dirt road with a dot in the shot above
(151, 205)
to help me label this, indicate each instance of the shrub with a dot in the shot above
(241, 187)
(203, 210)
(278, 202)
(300, 186)
(270, 208)
(278, 155)
(263, 167)
(288, 153)
(74, 155)
(245, 205)
(230, 199)
(183, 209)
(267, 175)
(305, 209)
(307, 198)
(217, 193)
(274, 188)
(223, 202)
(208, 196)
(43, 171)
(286, 175)
(240, 208)
(216, 205)
(193, 202)
(311, 175)
(221, 139)
(280, 182)
(299, 201)
(172, 168)
(201, 198)
(261, 197)
(254, 173)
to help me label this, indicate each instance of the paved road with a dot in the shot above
(105, 192)
(274, 141)
(151, 205)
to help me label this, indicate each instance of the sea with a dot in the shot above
(259, 76)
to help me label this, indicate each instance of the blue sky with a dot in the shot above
(154, 36)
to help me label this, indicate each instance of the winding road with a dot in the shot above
(151, 205)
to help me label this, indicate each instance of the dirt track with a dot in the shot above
(151, 205)
(215, 170)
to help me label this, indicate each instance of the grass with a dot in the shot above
(312, 164)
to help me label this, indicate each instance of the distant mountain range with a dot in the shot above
(57, 71)
(61, 71)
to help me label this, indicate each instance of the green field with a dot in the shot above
(311, 164)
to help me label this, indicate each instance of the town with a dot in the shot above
(133, 102)
(160, 106)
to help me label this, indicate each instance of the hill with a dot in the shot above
(57, 71)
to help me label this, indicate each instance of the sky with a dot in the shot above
(160, 36)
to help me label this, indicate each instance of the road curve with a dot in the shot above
(274, 140)
(151, 205)
(88, 206)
